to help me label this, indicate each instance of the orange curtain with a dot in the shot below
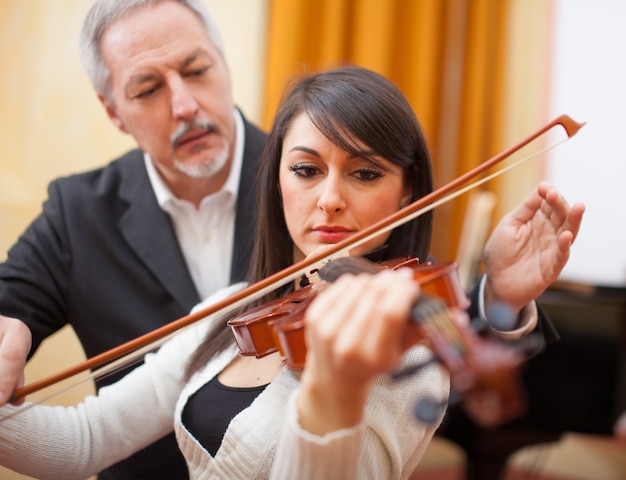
(449, 57)
(401, 39)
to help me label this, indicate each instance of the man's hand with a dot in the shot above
(530, 246)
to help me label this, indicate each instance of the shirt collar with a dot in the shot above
(164, 194)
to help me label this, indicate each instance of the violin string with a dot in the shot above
(437, 315)
(446, 324)
(433, 321)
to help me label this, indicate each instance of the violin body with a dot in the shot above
(279, 325)
(254, 330)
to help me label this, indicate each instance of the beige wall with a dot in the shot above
(52, 124)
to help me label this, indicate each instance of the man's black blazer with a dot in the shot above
(103, 257)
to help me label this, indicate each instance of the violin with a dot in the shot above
(278, 325)
(483, 373)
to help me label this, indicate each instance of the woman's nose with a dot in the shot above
(331, 199)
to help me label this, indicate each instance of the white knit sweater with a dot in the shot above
(262, 441)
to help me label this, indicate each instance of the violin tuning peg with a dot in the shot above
(428, 410)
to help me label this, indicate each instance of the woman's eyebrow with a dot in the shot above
(301, 148)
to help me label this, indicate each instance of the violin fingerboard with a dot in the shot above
(352, 265)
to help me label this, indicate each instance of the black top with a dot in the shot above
(209, 411)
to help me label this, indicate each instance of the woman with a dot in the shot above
(345, 151)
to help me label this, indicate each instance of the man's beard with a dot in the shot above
(209, 167)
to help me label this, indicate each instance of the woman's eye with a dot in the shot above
(304, 170)
(368, 175)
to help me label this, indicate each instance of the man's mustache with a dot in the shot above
(187, 127)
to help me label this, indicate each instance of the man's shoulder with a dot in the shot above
(130, 164)
(121, 179)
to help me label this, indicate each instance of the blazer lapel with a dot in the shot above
(246, 202)
(150, 233)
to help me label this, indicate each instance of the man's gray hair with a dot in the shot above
(103, 13)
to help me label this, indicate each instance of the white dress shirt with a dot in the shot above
(205, 234)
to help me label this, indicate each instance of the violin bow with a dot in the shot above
(420, 206)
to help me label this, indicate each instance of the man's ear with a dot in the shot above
(110, 109)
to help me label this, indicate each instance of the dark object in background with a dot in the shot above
(575, 385)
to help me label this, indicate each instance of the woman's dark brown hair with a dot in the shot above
(363, 113)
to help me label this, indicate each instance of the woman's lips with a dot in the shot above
(332, 234)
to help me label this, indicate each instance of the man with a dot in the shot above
(125, 249)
